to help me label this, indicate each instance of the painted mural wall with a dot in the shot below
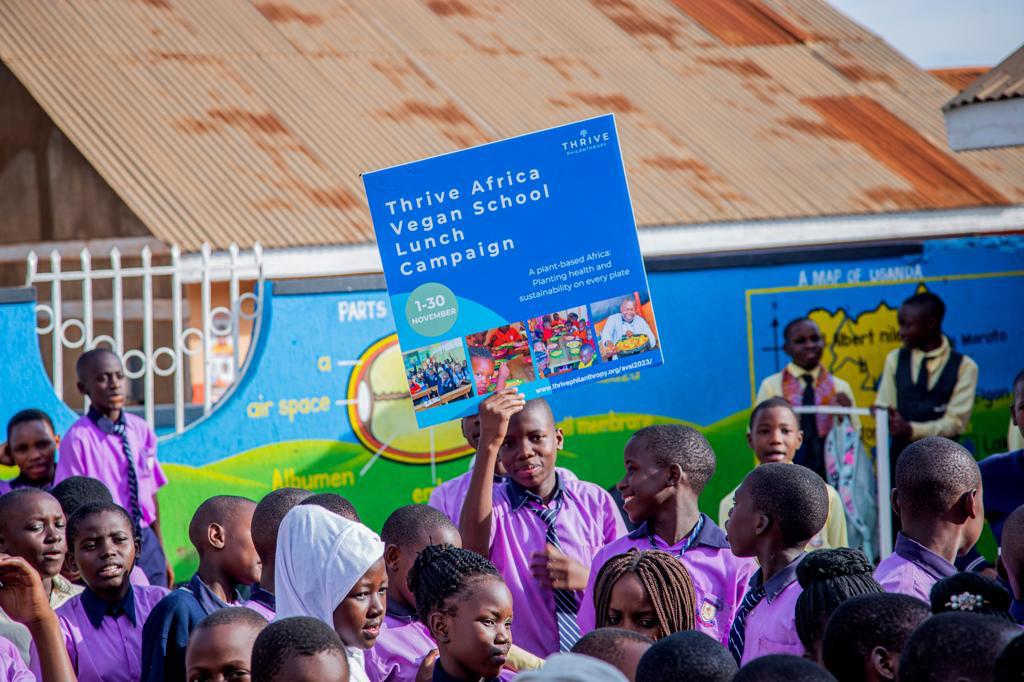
(322, 403)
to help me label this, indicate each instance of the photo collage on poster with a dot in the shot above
(548, 345)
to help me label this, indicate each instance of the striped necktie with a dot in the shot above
(133, 478)
(737, 632)
(566, 601)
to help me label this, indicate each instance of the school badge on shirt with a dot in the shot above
(709, 610)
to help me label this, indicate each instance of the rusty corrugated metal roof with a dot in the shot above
(959, 77)
(1005, 80)
(239, 120)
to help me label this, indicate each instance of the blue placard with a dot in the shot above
(515, 263)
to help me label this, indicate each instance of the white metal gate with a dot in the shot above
(215, 322)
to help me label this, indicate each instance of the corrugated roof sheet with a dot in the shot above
(960, 77)
(1004, 81)
(238, 121)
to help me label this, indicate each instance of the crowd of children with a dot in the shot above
(517, 569)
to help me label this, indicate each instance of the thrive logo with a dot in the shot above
(586, 142)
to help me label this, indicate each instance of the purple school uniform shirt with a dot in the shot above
(87, 451)
(719, 577)
(449, 497)
(771, 625)
(588, 521)
(12, 667)
(400, 648)
(912, 569)
(104, 647)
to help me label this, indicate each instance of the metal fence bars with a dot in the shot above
(214, 324)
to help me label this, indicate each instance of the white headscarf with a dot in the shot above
(320, 557)
(573, 668)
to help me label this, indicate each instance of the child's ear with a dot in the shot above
(883, 663)
(970, 504)
(138, 551)
(70, 563)
(437, 622)
(676, 475)
(895, 500)
(559, 438)
(81, 388)
(391, 553)
(750, 439)
(215, 535)
(56, 439)
(764, 522)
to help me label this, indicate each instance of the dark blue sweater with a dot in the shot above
(165, 634)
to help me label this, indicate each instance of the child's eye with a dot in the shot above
(489, 622)
(647, 623)
(614, 619)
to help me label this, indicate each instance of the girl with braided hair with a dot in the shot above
(649, 592)
(465, 604)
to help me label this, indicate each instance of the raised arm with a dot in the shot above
(477, 510)
(23, 599)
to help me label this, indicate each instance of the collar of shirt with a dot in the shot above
(401, 612)
(518, 495)
(944, 349)
(798, 371)
(264, 597)
(917, 553)
(778, 582)
(710, 534)
(102, 422)
(62, 590)
(96, 608)
(208, 601)
(441, 676)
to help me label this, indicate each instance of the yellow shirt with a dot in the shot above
(831, 536)
(958, 411)
(771, 387)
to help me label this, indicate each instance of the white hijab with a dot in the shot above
(320, 557)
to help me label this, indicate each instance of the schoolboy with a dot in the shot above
(864, 637)
(119, 449)
(774, 436)
(779, 508)
(31, 446)
(938, 497)
(804, 381)
(75, 492)
(220, 647)
(927, 386)
(782, 668)
(300, 648)
(32, 526)
(1003, 475)
(266, 522)
(539, 529)
(221, 533)
(950, 647)
(667, 467)
(102, 626)
(404, 640)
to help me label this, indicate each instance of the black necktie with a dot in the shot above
(922, 376)
(808, 421)
(737, 633)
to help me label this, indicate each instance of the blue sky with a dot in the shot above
(944, 33)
